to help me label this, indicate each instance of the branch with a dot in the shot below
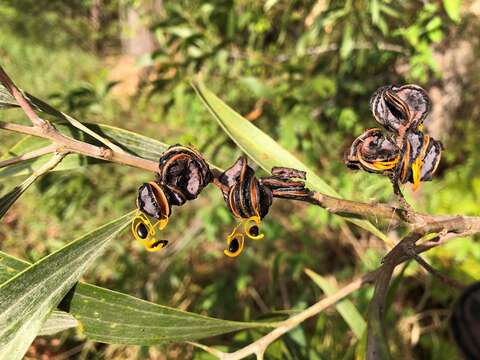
(83, 148)
(259, 346)
(22, 101)
(29, 155)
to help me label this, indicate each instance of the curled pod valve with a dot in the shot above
(152, 201)
(182, 175)
(400, 108)
(248, 200)
(373, 152)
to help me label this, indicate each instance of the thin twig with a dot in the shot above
(442, 277)
(83, 148)
(259, 346)
(21, 100)
(29, 155)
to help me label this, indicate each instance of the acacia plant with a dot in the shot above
(46, 297)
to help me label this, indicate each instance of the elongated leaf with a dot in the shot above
(134, 143)
(116, 318)
(27, 299)
(265, 151)
(57, 322)
(7, 200)
(347, 310)
(6, 100)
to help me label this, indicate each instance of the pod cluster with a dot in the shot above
(182, 175)
(249, 198)
(404, 152)
(465, 322)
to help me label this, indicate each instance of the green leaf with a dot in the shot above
(132, 142)
(112, 317)
(347, 310)
(452, 8)
(347, 42)
(265, 151)
(6, 100)
(57, 322)
(28, 298)
(123, 319)
(7, 200)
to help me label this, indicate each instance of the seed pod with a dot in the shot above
(154, 200)
(249, 198)
(400, 108)
(283, 185)
(184, 172)
(373, 152)
(420, 158)
(244, 194)
(465, 322)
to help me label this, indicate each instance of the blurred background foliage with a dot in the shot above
(302, 71)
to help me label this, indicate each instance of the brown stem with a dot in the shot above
(82, 148)
(18, 95)
(29, 155)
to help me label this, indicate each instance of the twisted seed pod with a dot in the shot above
(244, 194)
(249, 198)
(399, 108)
(183, 173)
(465, 322)
(421, 156)
(373, 152)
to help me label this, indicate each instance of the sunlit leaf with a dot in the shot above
(112, 317)
(347, 310)
(265, 151)
(28, 298)
(452, 8)
(57, 322)
(7, 200)
(6, 100)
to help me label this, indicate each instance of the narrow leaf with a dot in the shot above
(347, 310)
(6, 100)
(57, 322)
(265, 151)
(7, 200)
(113, 317)
(28, 298)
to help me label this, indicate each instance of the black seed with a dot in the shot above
(234, 246)
(254, 230)
(158, 243)
(142, 231)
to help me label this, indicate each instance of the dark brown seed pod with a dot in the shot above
(465, 322)
(421, 155)
(184, 172)
(249, 198)
(373, 152)
(400, 108)
(182, 175)
(153, 200)
(244, 194)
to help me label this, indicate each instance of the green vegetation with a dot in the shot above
(301, 72)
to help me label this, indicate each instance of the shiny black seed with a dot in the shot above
(254, 230)
(234, 246)
(157, 243)
(142, 231)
